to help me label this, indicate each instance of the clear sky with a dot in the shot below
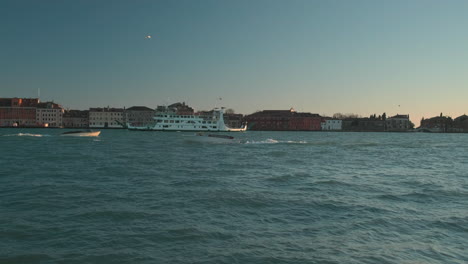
(348, 56)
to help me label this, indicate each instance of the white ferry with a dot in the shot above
(171, 121)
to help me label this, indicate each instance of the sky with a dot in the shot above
(319, 56)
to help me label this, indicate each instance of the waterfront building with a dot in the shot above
(234, 120)
(283, 120)
(21, 102)
(106, 117)
(19, 112)
(177, 108)
(366, 124)
(399, 123)
(460, 124)
(139, 115)
(329, 124)
(49, 114)
(436, 124)
(75, 119)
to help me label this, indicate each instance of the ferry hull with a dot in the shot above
(183, 130)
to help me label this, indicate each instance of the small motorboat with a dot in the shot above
(214, 138)
(81, 133)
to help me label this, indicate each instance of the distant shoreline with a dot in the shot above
(328, 131)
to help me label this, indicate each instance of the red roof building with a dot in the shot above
(19, 112)
(283, 120)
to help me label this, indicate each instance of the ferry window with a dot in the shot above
(171, 121)
(165, 126)
(177, 121)
(204, 122)
(214, 126)
(165, 121)
(204, 127)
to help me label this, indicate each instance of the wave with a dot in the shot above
(274, 141)
(236, 199)
(26, 258)
(277, 154)
(325, 143)
(332, 183)
(268, 141)
(424, 195)
(288, 177)
(114, 215)
(457, 224)
(193, 233)
(361, 144)
(26, 135)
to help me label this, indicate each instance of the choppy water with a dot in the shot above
(279, 197)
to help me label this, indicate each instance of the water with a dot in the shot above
(279, 197)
